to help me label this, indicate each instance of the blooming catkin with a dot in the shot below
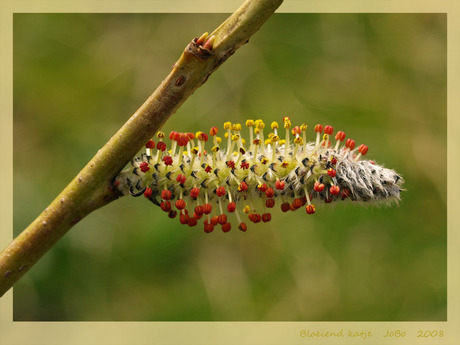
(217, 184)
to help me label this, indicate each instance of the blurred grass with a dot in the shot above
(381, 78)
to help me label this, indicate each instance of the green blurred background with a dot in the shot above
(381, 78)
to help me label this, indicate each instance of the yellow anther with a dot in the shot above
(242, 150)
(249, 123)
(161, 135)
(270, 135)
(219, 139)
(298, 140)
(274, 138)
(198, 134)
(194, 150)
(246, 209)
(256, 141)
(235, 137)
(287, 122)
(236, 127)
(227, 125)
(325, 137)
(215, 148)
(185, 153)
(226, 135)
(303, 127)
(256, 130)
(260, 124)
(243, 141)
(282, 142)
(274, 125)
(284, 164)
(267, 142)
(264, 160)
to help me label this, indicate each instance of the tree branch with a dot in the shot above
(92, 187)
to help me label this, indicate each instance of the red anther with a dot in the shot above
(262, 187)
(334, 190)
(180, 204)
(243, 227)
(266, 217)
(350, 143)
(226, 227)
(297, 203)
(181, 179)
(190, 136)
(207, 208)
(296, 130)
(319, 128)
(270, 203)
(192, 221)
(168, 160)
(144, 167)
(334, 161)
(220, 191)
(194, 192)
(182, 140)
(203, 137)
(285, 206)
(340, 136)
(328, 200)
(173, 135)
(310, 209)
(161, 146)
(183, 219)
(345, 193)
(208, 169)
(244, 165)
(208, 227)
(222, 218)
(230, 164)
(255, 217)
(197, 216)
(331, 172)
(172, 214)
(165, 194)
(318, 187)
(242, 187)
(270, 192)
(362, 149)
(165, 206)
(286, 118)
(231, 207)
(150, 144)
(328, 129)
(199, 210)
(213, 131)
(280, 184)
(148, 192)
(215, 220)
